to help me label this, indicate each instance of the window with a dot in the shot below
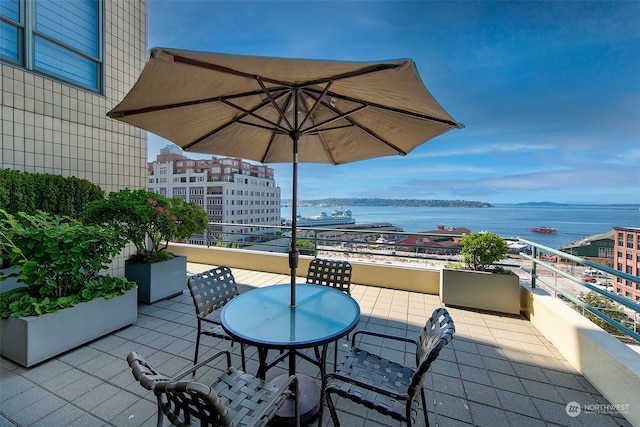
(62, 39)
(620, 239)
(630, 241)
(604, 252)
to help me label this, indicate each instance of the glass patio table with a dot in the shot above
(263, 318)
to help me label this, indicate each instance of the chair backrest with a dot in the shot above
(143, 372)
(212, 289)
(437, 333)
(326, 272)
(181, 401)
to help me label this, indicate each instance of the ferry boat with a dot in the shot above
(545, 229)
(337, 217)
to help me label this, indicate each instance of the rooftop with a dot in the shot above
(498, 370)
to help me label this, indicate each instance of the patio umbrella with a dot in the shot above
(283, 110)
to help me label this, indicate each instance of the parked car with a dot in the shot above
(589, 279)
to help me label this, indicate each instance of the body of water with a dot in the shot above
(573, 222)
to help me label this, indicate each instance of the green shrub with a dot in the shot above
(55, 194)
(149, 220)
(59, 260)
(480, 250)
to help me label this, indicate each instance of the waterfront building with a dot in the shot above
(231, 190)
(627, 260)
(60, 77)
(440, 241)
(597, 248)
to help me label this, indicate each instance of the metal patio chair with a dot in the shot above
(233, 399)
(386, 386)
(335, 274)
(210, 291)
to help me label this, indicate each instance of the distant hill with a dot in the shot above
(396, 202)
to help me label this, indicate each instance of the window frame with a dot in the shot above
(26, 46)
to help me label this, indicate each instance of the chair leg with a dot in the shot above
(160, 416)
(424, 407)
(195, 357)
(244, 367)
(332, 410)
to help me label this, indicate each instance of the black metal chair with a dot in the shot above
(233, 399)
(335, 274)
(385, 386)
(210, 291)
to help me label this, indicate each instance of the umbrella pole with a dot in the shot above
(293, 251)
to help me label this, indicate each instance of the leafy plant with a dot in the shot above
(150, 221)
(480, 250)
(55, 194)
(59, 260)
(607, 307)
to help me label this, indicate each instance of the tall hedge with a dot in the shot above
(55, 194)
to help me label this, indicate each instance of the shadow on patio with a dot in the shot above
(497, 371)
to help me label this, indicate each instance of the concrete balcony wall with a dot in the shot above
(611, 366)
(403, 278)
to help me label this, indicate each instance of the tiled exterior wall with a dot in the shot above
(48, 126)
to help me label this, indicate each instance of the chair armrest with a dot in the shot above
(377, 389)
(381, 335)
(190, 370)
(284, 389)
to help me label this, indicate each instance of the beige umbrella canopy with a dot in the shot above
(283, 110)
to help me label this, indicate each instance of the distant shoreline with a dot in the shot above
(394, 203)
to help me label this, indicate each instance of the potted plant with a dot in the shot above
(150, 221)
(481, 285)
(65, 301)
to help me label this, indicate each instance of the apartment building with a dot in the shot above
(231, 190)
(627, 260)
(58, 79)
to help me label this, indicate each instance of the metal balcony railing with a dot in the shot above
(420, 248)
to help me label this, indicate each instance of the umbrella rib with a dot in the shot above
(340, 115)
(276, 127)
(316, 127)
(395, 110)
(315, 105)
(253, 114)
(275, 105)
(121, 114)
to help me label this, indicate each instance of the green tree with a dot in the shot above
(480, 250)
(306, 247)
(149, 220)
(607, 307)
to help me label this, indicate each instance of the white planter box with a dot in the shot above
(34, 339)
(480, 290)
(159, 280)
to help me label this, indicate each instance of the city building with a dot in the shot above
(231, 190)
(60, 77)
(627, 260)
(440, 241)
(597, 248)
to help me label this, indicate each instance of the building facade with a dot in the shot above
(237, 195)
(598, 248)
(627, 260)
(59, 76)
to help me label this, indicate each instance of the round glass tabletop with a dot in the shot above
(262, 317)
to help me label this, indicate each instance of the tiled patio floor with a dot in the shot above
(498, 370)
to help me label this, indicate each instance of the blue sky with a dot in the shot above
(549, 92)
